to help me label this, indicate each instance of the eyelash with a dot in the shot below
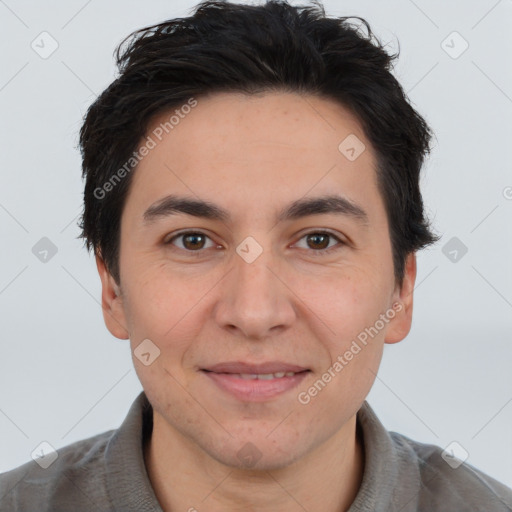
(319, 252)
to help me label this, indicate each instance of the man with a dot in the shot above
(252, 198)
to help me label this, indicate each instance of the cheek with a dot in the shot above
(160, 301)
(351, 307)
(346, 304)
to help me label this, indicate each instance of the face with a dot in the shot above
(263, 290)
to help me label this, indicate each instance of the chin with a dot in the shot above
(261, 462)
(257, 453)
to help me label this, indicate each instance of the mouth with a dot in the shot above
(255, 382)
(259, 376)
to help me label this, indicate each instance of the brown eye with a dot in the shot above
(191, 241)
(319, 240)
(318, 243)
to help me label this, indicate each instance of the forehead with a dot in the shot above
(269, 148)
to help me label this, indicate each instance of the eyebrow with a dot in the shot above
(172, 205)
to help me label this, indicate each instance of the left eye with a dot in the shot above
(194, 241)
(321, 238)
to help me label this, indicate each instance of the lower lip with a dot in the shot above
(255, 390)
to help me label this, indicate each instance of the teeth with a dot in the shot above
(265, 376)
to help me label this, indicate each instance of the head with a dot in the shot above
(293, 158)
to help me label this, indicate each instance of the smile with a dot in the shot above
(264, 376)
(255, 387)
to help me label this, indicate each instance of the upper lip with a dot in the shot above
(247, 368)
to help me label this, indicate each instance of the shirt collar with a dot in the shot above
(128, 482)
(380, 474)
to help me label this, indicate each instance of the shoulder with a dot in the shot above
(79, 469)
(448, 484)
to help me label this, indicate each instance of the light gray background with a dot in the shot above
(63, 377)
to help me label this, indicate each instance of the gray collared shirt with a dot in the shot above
(107, 473)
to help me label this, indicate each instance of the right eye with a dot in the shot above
(192, 241)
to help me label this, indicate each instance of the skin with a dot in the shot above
(253, 156)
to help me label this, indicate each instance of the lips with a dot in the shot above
(255, 382)
(242, 368)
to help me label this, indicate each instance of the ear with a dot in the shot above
(112, 303)
(400, 325)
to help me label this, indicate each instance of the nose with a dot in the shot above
(255, 301)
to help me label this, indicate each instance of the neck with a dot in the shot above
(327, 479)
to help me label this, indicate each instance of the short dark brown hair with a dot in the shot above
(226, 47)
